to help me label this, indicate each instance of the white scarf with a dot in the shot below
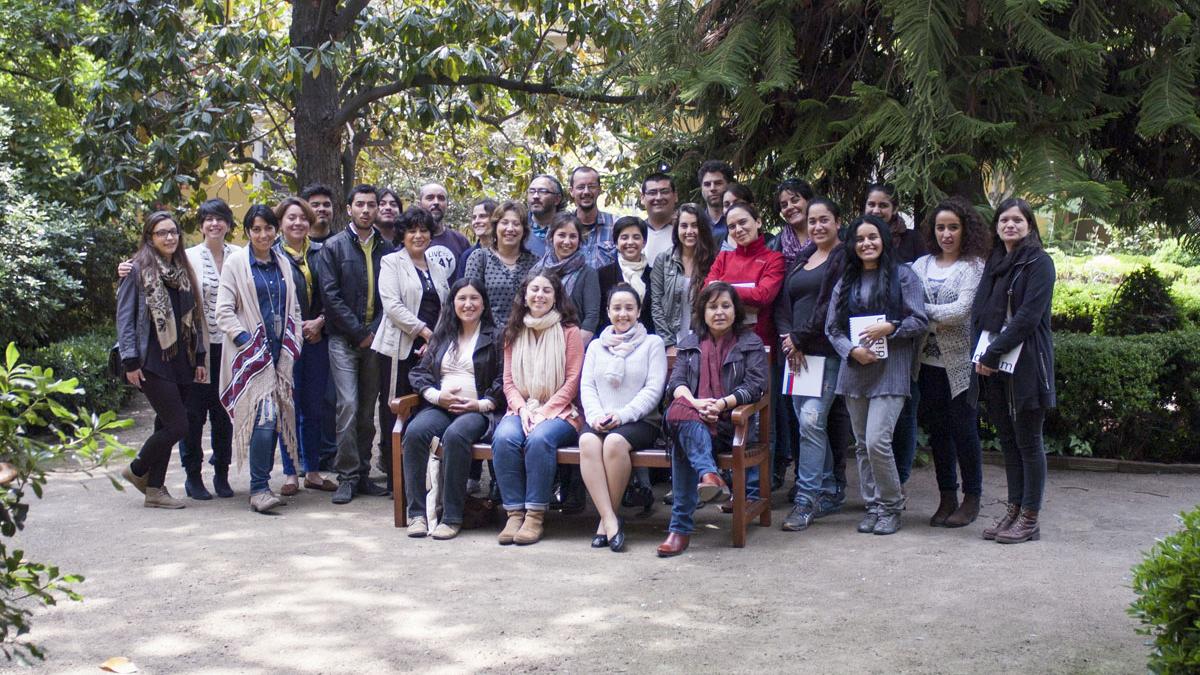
(539, 359)
(621, 345)
(631, 272)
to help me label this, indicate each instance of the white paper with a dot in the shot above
(858, 324)
(1008, 361)
(808, 381)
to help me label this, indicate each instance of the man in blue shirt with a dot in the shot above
(714, 176)
(597, 244)
(544, 195)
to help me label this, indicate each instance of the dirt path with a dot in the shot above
(322, 589)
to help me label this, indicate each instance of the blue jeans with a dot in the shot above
(692, 456)
(904, 438)
(262, 447)
(953, 425)
(311, 380)
(814, 456)
(525, 465)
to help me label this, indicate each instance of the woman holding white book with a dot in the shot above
(878, 300)
(1012, 306)
(800, 319)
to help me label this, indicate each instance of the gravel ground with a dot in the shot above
(214, 588)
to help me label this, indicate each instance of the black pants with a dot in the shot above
(170, 424)
(1020, 436)
(841, 439)
(203, 403)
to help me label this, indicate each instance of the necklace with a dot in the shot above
(276, 310)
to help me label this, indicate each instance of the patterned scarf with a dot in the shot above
(631, 272)
(158, 300)
(539, 358)
(567, 269)
(621, 345)
(790, 244)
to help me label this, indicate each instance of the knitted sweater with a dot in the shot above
(639, 393)
(949, 313)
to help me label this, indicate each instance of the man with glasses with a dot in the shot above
(597, 244)
(544, 195)
(659, 199)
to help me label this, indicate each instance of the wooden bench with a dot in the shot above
(739, 460)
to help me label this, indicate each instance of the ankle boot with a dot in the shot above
(159, 498)
(1004, 522)
(515, 519)
(946, 506)
(1025, 529)
(193, 486)
(221, 482)
(966, 513)
(531, 530)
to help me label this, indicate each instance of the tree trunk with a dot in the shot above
(318, 140)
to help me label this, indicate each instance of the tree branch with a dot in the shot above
(358, 101)
(265, 168)
(346, 18)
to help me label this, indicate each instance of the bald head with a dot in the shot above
(433, 198)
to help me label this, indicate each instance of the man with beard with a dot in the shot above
(446, 246)
(544, 195)
(659, 199)
(714, 177)
(320, 198)
(390, 207)
(597, 240)
(348, 271)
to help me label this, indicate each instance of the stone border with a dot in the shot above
(1097, 464)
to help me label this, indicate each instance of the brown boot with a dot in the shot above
(945, 507)
(515, 519)
(966, 513)
(531, 529)
(159, 498)
(1005, 522)
(1025, 529)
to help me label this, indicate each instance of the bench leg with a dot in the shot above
(764, 491)
(739, 502)
(400, 513)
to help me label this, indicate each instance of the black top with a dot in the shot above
(430, 305)
(610, 275)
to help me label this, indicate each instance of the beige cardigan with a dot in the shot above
(248, 376)
(400, 295)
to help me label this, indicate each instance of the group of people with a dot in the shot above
(555, 328)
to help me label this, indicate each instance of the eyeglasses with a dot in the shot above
(591, 187)
(540, 192)
(658, 193)
(167, 234)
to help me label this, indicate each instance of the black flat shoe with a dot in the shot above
(617, 542)
(600, 541)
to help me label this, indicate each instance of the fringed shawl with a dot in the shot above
(248, 376)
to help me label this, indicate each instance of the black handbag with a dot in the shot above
(116, 364)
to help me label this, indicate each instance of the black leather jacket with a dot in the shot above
(487, 360)
(342, 272)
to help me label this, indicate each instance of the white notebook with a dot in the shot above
(806, 382)
(1008, 361)
(858, 324)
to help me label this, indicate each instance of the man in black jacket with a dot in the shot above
(348, 270)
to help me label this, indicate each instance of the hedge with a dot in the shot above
(85, 356)
(1134, 397)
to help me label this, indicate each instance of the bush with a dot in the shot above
(1077, 305)
(1135, 397)
(1167, 583)
(1141, 304)
(85, 357)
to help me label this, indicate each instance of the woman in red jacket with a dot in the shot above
(754, 271)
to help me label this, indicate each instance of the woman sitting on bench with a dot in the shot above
(623, 377)
(543, 355)
(460, 379)
(719, 366)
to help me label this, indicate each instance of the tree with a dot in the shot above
(1068, 101)
(190, 86)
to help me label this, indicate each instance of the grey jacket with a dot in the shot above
(134, 322)
(666, 273)
(743, 374)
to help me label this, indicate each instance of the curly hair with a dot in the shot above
(975, 240)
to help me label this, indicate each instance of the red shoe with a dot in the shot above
(674, 545)
(712, 488)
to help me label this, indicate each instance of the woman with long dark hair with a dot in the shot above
(543, 356)
(162, 337)
(875, 284)
(719, 366)
(802, 306)
(259, 315)
(948, 393)
(1013, 306)
(460, 379)
(677, 276)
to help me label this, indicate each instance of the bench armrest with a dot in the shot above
(742, 416)
(403, 405)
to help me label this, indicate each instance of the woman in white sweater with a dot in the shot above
(624, 373)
